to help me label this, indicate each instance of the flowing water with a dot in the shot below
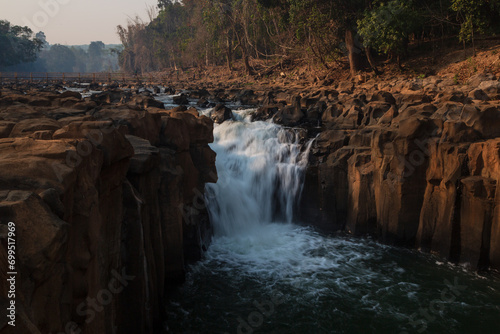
(265, 274)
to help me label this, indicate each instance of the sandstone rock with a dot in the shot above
(486, 122)
(331, 114)
(381, 96)
(180, 129)
(247, 97)
(345, 87)
(491, 87)
(29, 126)
(138, 122)
(181, 99)
(198, 93)
(315, 112)
(375, 110)
(203, 103)
(477, 79)
(6, 128)
(476, 212)
(388, 116)
(36, 165)
(52, 198)
(145, 102)
(221, 113)
(108, 97)
(479, 94)
(325, 198)
(439, 218)
(18, 112)
(41, 237)
(362, 216)
(63, 112)
(290, 115)
(146, 157)
(265, 112)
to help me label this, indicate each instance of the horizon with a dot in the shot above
(73, 22)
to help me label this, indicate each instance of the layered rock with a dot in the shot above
(415, 164)
(108, 204)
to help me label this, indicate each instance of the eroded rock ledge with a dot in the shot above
(105, 193)
(414, 163)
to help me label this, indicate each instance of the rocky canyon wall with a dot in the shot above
(106, 194)
(411, 162)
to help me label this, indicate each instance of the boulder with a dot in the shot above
(221, 113)
(181, 99)
(29, 126)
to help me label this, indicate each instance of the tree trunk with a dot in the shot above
(353, 52)
(206, 54)
(368, 52)
(473, 44)
(229, 55)
(248, 68)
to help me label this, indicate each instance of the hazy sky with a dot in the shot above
(74, 21)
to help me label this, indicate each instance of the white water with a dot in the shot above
(260, 167)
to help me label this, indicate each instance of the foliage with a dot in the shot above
(387, 27)
(17, 44)
(196, 33)
(60, 57)
(473, 16)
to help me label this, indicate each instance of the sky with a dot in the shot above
(74, 22)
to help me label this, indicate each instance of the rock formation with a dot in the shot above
(414, 163)
(107, 196)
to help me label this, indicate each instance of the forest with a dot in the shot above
(22, 50)
(201, 33)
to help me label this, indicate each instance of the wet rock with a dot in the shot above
(221, 113)
(182, 99)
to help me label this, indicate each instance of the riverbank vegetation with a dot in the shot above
(359, 34)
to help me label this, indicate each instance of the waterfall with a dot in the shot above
(261, 167)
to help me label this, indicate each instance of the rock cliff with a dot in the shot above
(411, 162)
(107, 196)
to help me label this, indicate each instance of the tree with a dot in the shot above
(42, 38)
(473, 16)
(17, 45)
(386, 28)
(96, 53)
(60, 58)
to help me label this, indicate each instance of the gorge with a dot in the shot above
(112, 185)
